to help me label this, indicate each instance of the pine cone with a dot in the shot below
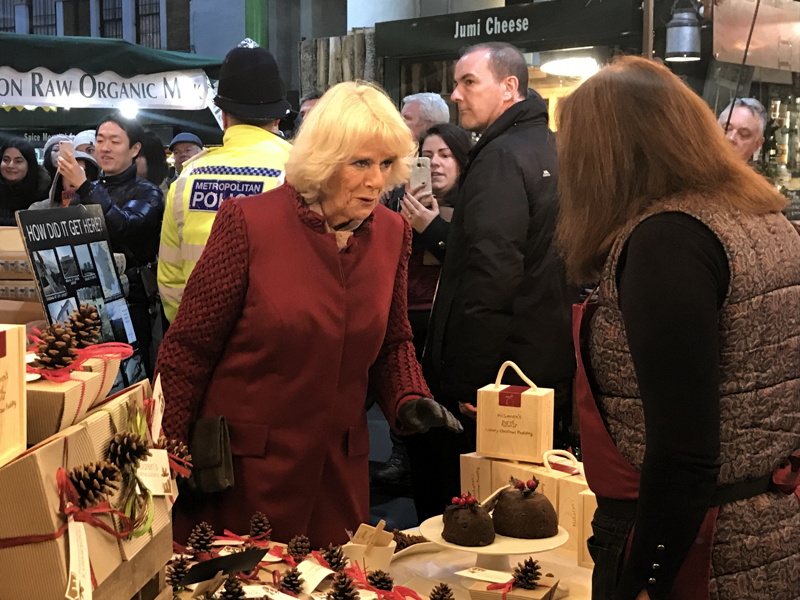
(441, 592)
(126, 450)
(404, 540)
(177, 568)
(292, 581)
(85, 325)
(526, 574)
(176, 448)
(94, 482)
(260, 525)
(201, 538)
(335, 557)
(343, 588)
(299, 547)
(57, 348)
(381, 580)
(233, 589)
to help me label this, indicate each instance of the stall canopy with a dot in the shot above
(99, 73)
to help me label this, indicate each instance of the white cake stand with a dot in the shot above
(495, 555)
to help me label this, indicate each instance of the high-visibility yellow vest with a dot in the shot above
(250, 161)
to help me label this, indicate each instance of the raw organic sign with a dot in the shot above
(187, 90)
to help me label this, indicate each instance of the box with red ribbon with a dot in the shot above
(107, 367)
(514, 422)
(37, 496)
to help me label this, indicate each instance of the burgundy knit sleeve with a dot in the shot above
(210, 307)
(396, 376)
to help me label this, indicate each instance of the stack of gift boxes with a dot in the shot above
(69, 425)
(19, 300)
(515, 439)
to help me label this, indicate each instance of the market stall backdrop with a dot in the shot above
(78, 79)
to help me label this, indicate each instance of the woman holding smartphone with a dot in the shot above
(447, 146)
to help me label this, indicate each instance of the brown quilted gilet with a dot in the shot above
(759, 329)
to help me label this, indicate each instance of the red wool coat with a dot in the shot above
(281, 333)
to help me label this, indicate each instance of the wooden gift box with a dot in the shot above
(13, 422)
(588, 506)
(107, 368)
(478, 591)
(514, 422)
(103, 423)
(55, 406)
(29, 497)
(476, 475)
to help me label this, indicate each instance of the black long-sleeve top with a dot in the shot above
(672, 277)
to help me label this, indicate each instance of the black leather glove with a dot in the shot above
(421, 414)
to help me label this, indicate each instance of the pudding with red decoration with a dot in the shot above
(466, 523)
(524, 512)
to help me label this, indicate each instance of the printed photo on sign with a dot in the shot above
(105, 268)
(106, 333)
(46, 264)
(68, 265)
(120, 319)
(85, 262)
(61, 309)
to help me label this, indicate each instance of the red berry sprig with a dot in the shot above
(464, 500)
(526, 487)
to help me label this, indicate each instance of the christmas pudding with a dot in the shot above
(466, 523)
(522, 512)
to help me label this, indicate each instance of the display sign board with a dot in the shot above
(73, 264)
(186, 90)
(537, 25)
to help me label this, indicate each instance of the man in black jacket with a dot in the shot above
(133, 208)
(503, 293)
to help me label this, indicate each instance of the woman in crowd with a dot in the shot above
(693, 351)
(448, 148)
(50, 151)
(151, 164)
(22, 180)
(63, 193)
(297, 303)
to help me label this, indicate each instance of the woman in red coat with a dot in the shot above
(296, 308)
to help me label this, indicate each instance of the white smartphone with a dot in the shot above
(66, 148)
(421, 174)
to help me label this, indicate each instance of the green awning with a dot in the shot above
(95, 55)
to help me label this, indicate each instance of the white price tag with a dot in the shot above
(313, 574)
(158, 409)
(482, 574)
(79, 581)
(153, 472)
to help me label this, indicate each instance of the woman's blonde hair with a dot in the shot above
(632, 135)
(349, 117)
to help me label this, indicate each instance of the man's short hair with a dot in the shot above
(754, 106)
(505, 60)
(132, 127)
(432, 108)
(313, 95)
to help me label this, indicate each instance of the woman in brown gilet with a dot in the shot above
(690, 392)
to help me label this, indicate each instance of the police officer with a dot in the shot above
(250, 161)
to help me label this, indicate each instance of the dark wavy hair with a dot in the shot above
(30, 188)
(457, 139)
(153, 153)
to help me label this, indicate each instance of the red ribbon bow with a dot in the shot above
(397, 593)
(506, 587)
(287, 558)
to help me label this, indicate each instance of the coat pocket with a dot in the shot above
(248, 439)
